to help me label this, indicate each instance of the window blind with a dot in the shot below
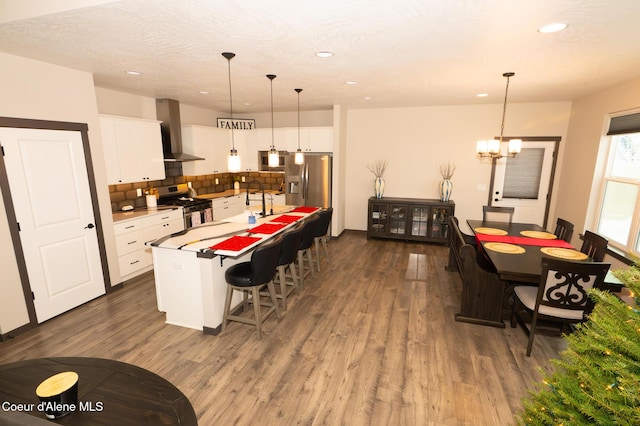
(523, 174)
(624, 124)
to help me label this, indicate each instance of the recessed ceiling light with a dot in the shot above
(552, 28)
(482, 95)
(133, 72)
(351, 82)
(324, 54)
(367, 98)
(204, 92)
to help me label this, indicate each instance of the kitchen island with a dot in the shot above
(189, 266)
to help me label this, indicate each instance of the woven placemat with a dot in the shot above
(539, 234)
(504, 248)
(564, 253)
(491, 231)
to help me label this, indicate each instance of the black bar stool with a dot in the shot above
(304, 250)
(251, 277)
(322, 234)
(288, 253)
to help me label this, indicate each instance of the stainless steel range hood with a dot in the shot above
(168, 112)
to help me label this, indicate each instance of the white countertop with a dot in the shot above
(204, 236)
(141, 212)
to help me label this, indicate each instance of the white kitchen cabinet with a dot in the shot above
(246, 142)
(132, 149)
(281, 138)
(225, 207)
(312, 139)
(134, 256)
(211, 143)
(319, 139)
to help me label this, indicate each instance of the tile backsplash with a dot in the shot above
(126, 194)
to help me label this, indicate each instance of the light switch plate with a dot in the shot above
(139, 192)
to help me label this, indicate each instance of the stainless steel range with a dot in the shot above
(196, 210)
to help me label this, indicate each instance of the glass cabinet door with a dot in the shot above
(419, 221)
(439, 222)
(378, 218)
(397, 219)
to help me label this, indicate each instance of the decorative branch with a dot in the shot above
(378, 168)
(447, 171)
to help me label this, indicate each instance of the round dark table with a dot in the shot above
(109, 393)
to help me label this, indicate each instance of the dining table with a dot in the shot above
(516, 250)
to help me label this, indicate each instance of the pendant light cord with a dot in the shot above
(230, 56)
(504, 107)
(271, 77)
(298, 90)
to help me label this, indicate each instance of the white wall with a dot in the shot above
(415, 141)
(584, 154)
(35, 90)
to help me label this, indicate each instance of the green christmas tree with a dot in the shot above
(597, 379)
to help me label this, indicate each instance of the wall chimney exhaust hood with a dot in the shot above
(168, 112)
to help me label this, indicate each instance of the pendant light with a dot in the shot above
(233, 161)
(299, 157)
(274, 158)
(491, 148)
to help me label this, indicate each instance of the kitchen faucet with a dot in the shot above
(264, 206)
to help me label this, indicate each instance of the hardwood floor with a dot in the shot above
(371, 340)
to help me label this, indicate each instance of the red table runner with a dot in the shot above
(523, 241)
(267, 228)
(286, 219)
(305, 209)
(235, 243)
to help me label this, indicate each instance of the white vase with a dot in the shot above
(378, 187)
(446, 187)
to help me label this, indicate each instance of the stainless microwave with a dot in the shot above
(264, 161)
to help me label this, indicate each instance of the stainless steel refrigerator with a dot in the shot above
(308, 184)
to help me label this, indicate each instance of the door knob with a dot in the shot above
(89, 226)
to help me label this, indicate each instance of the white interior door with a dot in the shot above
(52, 201)
(523, 181)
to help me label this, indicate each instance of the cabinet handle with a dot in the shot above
(134, 262)
(132, 242)
(129, 227)
(166, 217)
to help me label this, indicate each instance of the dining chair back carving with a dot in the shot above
(564, 230)
(560, 298)
(497, 214)
(322, 234)
(594, 245)
(249, 278)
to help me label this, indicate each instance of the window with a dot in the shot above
(619, 218)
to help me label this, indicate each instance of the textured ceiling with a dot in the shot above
(401, 52)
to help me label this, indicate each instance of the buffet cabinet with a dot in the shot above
(413, 219)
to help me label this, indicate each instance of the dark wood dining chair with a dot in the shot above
(497, 214)
(564, 230)
(560, 298)
(594, 246)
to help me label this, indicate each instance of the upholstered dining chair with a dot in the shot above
(249, 278)
(322, 234)
(497, 214)
(561, 297)
(594, 245)
(564, 230)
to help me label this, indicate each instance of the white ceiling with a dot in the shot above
(401, 52)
